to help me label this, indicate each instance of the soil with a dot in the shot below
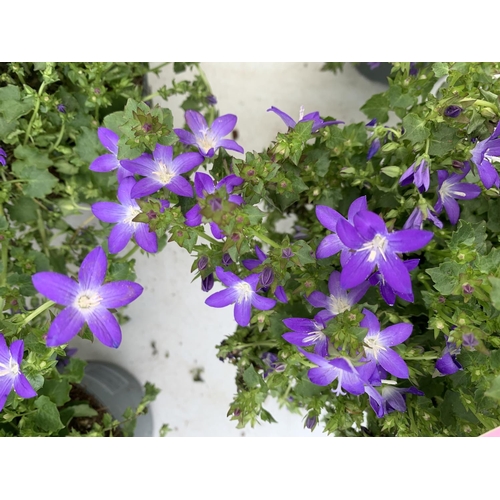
(84, 424)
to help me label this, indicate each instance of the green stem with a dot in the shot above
(159, 66)
(43, 234)
(5, 261)
(427, 145)
(486, 104)
(128, 254)
(34, 115)
(265, 239)
(269, 343)
(37, 312)
(150, 96)
(59, 139)
(201, 234)
(422, 358)
(13, 181)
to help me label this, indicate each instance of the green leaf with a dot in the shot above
(40, 182)
(23, 210)
(88, 146)
(267, 417)
(377, 107)
(74, 370)
(495, 292)
(114, 121)
(464, 235)
(251, 377)
(12, 106)
(31, 156)
(443, 140)
(415, 129)
(494, 390)
(56, 390)
(440, 69)
(445, 276)
(399, 100)
(47, 417)
(253, 213)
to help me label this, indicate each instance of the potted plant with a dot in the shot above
(376, 316)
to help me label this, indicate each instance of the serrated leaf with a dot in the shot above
(377, 107)
(57, 390)
(39, 182)
(251, 377)
(440, 69)
(464, 235)
(443, 140)
(31, 157)
(12, 105)
(415, 129)
(495, 292)
(23, 210)
(47, 417)
(494, 390)
(398, 99)
(445, 276)
(88, 146)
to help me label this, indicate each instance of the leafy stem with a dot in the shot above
(37, 312)
(34, 115)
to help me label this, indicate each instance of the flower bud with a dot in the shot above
(266, 278)
(287, 253)
(226, 260)
(202, 263)
(207, 283)
(453, 111)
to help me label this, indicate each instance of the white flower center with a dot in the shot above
(448, 190)
(492, 158)
(377, 246)
(313, 337)
(88, 300)
(373, 347)
(244, 291)
(207, 140)
(8, 370)
(132, 214)
(337, 305)
(163, 173)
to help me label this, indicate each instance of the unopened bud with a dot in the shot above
(207, 283)
(202, 263)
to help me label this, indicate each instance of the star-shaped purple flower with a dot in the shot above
(419, 175)
(377, 344)
(123, 214)
(389, 398)
(204, 185)
(208, 139)
(11, 377)
(328, 217)
(307, 332)
(163, 170)
(416, 219)
(314, 117)
(240, 292)
(373, 246)
(339, 300)
(451, 189)
(86, 301)
(484, 154)
(330, 369)
(109, 162)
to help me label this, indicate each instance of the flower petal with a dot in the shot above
(328, 217)
(452, 209)
(356, 206)
(186, 162)
(328, 246)
(203, 184)
(395, 334)
(322, 375)
(393, 363)
(108, 211)
(318, 299)
(465, 191)
(109, 139)
(193, 216)
(289, 121)
(104, 163)
(65, 326)
(447, 365)
(144, 165)
(145, 187)
(23, 387)
(348, 234)
(57, 287)
(185, 137)
(231, 145)
(163, 154)
(262, 303)
(357, 270)
(227, 277)
(223, 125)
(369, 224)
(17, 351)
(371, 322)
(243, 312)
(409, 240)
(105, 327)
(146, 239)
(93, 269)
(196, 121)
(180, 186)
(119, 236)
(223, 298)
(119, 293)
(302, 325)
(395, 273)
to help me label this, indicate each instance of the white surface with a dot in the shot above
(171, 311)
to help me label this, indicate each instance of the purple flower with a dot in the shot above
(307, 332)
(469, 341)
(484, 154)
(207, 283)
(328, 217)
(86, 301)
(240, 292)
(163, 170)
(339, 300)
(3, 157)
(122, 214)
(387, 292)
(271, 360)
(212, 100)
(447, 364)
(11, 377)
(208, 139)
(416, 219)
(204, 185)
(377, 344)
(373, 65)
(374, 247)
(108, 162)
(61, 108)
(420, 176)
(329, 370)
(451, 189)
(253, 263)
(63, 361)
(280, 294)
(266, 279)
(389, 399)
(311, 421)
(374, 147)
(413, 69)
(314, 117)
(453, 111)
